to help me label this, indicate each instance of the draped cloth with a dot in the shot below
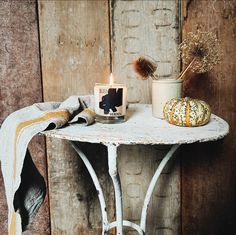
(24, 186)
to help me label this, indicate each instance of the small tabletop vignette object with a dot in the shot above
(145, 68)
(110, 102)
(162, 89)
(187, 112)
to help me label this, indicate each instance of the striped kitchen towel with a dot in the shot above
(24, 186)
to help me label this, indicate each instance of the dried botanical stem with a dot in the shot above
(204, 46)
(144, 67)
(154, 76)
(185, 70)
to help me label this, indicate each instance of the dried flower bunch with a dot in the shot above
(201, 50)
(145, 68)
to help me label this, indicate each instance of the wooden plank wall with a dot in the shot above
(208, 171)
(20, 86)
(146, 28)
(75, 50)
(75, 55)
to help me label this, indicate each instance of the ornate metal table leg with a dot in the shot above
(153, 183)
(105, 224)
(112, 164)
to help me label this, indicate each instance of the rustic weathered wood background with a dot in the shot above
(20, 85)
(52, 49)
(208, 170)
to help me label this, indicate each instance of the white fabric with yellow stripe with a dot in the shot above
(15, 134)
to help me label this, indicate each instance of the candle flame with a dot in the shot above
(111, 80)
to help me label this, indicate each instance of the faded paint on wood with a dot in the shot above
(208, 175)
(20, 86)
(146, 28)
(75, 55)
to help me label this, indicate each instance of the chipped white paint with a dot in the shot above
(130, 224)
(142, 128)
(112, 165)
(144, 28)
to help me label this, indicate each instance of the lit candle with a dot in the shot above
(110, 102)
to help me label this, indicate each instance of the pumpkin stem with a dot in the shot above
(186, 69)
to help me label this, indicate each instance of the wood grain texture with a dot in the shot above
(74, 47)
(148, 28)
(75, 55)
(20, 86)
(208, 175)
(137, 165)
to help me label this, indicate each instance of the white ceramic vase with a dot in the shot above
(162, 91)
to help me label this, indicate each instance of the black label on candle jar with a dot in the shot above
(111, 102)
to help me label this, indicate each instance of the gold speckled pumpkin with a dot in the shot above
(187, 112)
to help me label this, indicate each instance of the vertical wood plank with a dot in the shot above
(146, 28)
(75, 55)
(137, 165)
(74, 47)
(209, 178)
(20, 86)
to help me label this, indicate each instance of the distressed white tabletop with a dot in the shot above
(142, 128)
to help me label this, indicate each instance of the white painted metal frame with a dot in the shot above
(113, 171)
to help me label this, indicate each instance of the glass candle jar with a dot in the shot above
(110, 102)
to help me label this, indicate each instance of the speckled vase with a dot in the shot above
(162, 91)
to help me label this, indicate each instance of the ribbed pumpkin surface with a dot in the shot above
(187, 112)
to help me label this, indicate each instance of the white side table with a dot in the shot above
(140, 128)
